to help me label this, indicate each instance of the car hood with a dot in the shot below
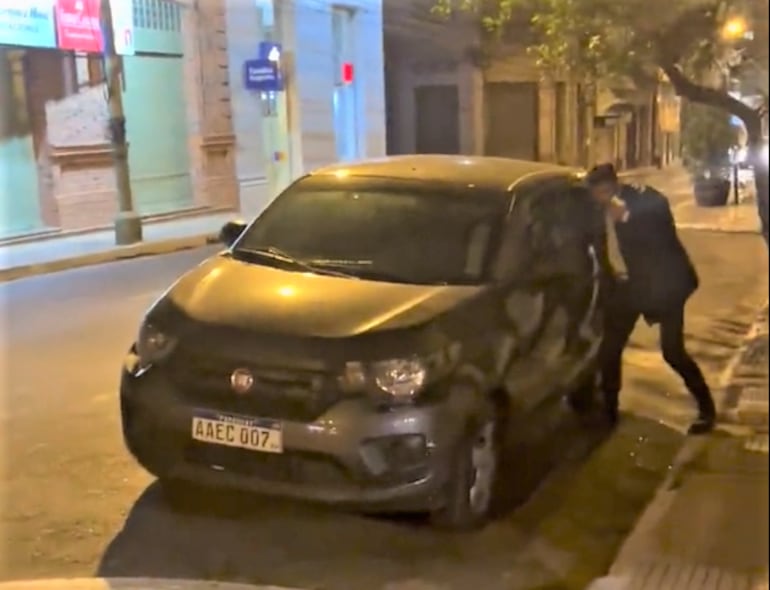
(227, 292)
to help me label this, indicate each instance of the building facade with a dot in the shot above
(448, 95)
(329, 104)
(56, 170)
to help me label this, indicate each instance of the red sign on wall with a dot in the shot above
(78, 25)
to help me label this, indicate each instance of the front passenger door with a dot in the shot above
(538, 308)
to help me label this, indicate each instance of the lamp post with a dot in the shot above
(128, 224)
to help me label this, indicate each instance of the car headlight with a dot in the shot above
(153, 345)
(401, 378)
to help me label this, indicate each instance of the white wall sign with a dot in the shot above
(123, 26)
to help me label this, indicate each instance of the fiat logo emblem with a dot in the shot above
(241, 380)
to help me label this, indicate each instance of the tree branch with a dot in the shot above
(691, 26)
(716, 98)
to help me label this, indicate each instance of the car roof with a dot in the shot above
(494, 174)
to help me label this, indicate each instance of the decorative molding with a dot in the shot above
(97, 155)
(218, 142)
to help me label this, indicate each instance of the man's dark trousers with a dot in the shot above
(619, 321)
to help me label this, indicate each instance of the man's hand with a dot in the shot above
(617, 210)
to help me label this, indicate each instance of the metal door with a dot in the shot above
(511, 120)
(437, 129)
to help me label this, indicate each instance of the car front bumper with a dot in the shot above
(353, 455)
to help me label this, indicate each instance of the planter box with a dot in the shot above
(711, 192)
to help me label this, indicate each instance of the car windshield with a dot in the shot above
(403, 234)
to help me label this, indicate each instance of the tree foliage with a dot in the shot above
(592, 40)
(604, 39)
(707, 136)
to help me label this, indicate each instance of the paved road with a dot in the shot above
(74, 503)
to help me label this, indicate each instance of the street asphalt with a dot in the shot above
(74, 503)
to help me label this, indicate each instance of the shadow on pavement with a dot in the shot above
(260, 540)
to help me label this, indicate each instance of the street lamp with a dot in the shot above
(735, 28)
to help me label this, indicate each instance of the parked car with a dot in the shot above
(362, 342)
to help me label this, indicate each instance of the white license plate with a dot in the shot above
(254, 434)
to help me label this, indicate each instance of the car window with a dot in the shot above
(545, 234)
(409, 234)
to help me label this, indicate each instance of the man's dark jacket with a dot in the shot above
(661, 276)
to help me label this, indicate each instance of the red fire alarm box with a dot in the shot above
(347, 73)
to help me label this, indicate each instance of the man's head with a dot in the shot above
(602, 181)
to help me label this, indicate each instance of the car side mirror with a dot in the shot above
(230, 232)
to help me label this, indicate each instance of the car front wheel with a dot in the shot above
(470, 491)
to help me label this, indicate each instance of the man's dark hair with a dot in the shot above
(601, 173)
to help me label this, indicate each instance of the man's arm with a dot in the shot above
(597, 238)
(591, 222)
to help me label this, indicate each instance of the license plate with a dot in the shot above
(242, 432)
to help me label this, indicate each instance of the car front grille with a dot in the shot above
(297, 395)
(289, 467)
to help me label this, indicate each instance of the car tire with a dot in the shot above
(469, 496)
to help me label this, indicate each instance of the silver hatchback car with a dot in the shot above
(362, 341)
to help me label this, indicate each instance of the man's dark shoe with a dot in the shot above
(704, 424)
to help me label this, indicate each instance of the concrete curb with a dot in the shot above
(705, 227)
(749, 406)
(153, 248)
(619, 576)
(132, 584)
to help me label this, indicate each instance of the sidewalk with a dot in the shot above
(52, 254)
(675, 182)
(707, 526)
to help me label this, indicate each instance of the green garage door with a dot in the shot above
(155, 109)
(19, 197)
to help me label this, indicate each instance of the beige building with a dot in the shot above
(331, 106)
(446, 95)
(179, 125)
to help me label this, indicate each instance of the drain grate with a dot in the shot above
(673, 575)
(755, 395)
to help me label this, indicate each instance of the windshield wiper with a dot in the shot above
(362, 270)
(277, 254)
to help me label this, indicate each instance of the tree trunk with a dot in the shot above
(761, 187)
(755, 145)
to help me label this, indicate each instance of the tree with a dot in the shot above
(707, 137)
(686, 41)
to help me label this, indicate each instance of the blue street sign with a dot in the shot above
(269, 50)
(262, 75)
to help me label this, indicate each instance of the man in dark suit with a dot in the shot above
(648, 273)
